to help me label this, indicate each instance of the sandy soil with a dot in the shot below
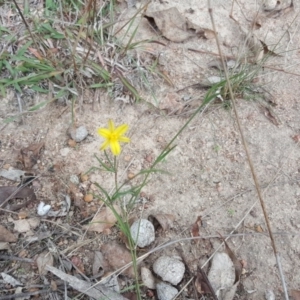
(209, 172)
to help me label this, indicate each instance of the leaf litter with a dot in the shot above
(174, 26)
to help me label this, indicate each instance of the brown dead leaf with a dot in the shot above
(165, 221)
(267, 51)
(130, 295)
(6, 236)
(30, 155)
(199, 31)
(295, 294)
(296, 138)
(77, 262)
(196, 226)
(117, 256)
(105, 219)
(170, 23)
(36, 53)
(270, 116)
(12, 192)
(45, 258)
(257, 22)
(99, 263)
(258, 228)
(203, 285)
(174, 26)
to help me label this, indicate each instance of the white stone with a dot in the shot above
(165, 291)
(169, 269)
(79, 134)
(142, 232)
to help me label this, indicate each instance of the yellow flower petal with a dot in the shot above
(113, 136)
(111, 126)
(124, 139)
(121, 129)
(104, 145)
(115, 147)
(104, 132)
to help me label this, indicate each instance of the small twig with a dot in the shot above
(12, 257)
(24, 295)
(253, 172)
(97, 290)
(25, 23)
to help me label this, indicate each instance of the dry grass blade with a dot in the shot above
(253, 172)
(97, 291)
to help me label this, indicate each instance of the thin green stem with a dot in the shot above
(116, 172)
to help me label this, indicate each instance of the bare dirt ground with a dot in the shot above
(209, 172)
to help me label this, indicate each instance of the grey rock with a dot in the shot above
(222, 273)
(147, 278)
(142, 232)
(165, 291)
(12, 174)
(74, 179)
(112, 283)
(78, 134)
(269, 295)
(169, 269)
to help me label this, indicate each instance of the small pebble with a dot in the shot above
(142, 232)
(88, 198)
(84, 177)
(147, 278)
(169, 269)
(22, 215)
(130, 175)
(78, 134)
(72, 143)
(165, 291)
(74, 179)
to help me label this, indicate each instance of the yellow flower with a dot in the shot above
(113, 136)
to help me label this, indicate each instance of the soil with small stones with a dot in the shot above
(209, 172)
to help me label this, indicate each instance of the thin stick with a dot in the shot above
(248, 155)
(24, 295)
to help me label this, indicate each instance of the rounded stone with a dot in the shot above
(78, 134)
(165, 291)
(142, 232)
(169, 269)
(74, 179)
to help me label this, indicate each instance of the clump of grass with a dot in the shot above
(65, 47)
